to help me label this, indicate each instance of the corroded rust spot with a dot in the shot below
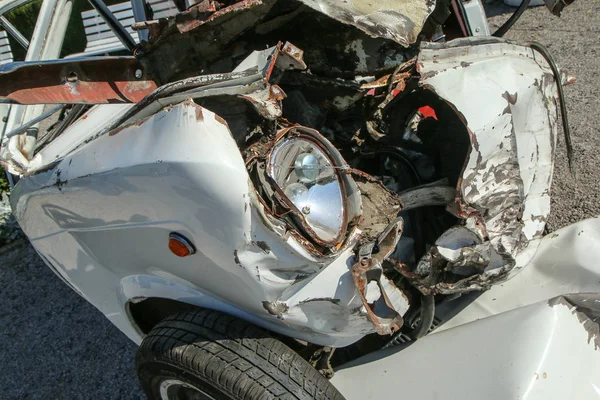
(203, 13)
(220, 120)
(85, 81)
(365, 272)
(292, 51)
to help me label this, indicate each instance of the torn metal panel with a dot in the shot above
(250, 79)
(385, 304)
(255, 73)
(586, 307)
(329, 300)
(199, 14)
(504, 189)
(207, 11)
(566, 262)
(400, 21)
(267, 101)
(294, 57)
(537, 352)
(100, 80)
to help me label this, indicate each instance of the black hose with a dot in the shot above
(511, 21)
(427, 315)
(561, 100)
(403, 158)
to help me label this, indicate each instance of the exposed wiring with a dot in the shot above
(561, 100)
(405, 66)
(511, 21)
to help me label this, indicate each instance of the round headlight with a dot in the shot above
(307, 167)
(310, 182)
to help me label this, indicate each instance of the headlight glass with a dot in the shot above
(310, 182)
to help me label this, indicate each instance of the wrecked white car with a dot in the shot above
(268, 190)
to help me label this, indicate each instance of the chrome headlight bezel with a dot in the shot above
(350, 207)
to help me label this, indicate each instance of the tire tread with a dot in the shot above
(238, 358)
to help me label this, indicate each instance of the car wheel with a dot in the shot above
(209, 355)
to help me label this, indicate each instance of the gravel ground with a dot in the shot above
(54, 345)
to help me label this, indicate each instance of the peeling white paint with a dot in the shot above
(505, 186)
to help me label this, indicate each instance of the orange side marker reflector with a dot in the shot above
(180, 245)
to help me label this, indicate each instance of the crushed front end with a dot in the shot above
(332, 188)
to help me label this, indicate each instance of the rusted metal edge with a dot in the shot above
(101, 80)
(203, 13)
(384, 325)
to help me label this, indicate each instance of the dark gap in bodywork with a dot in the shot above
(331, 48)
(243, 121)
(147, 313)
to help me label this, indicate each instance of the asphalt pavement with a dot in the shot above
(54, 345)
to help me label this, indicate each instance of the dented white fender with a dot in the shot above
(104, 213)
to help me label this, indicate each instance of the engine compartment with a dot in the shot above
(419, 238)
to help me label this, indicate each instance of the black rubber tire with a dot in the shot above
(226, 358)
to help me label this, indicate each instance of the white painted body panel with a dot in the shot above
(99, 207)
(504, 195)
(516, 341)
(540, 352)
(101, 217)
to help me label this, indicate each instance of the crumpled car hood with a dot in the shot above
(400, 21)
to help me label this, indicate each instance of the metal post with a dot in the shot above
(139, 14)
(14, 32)
(27, 125)
(114, 24)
